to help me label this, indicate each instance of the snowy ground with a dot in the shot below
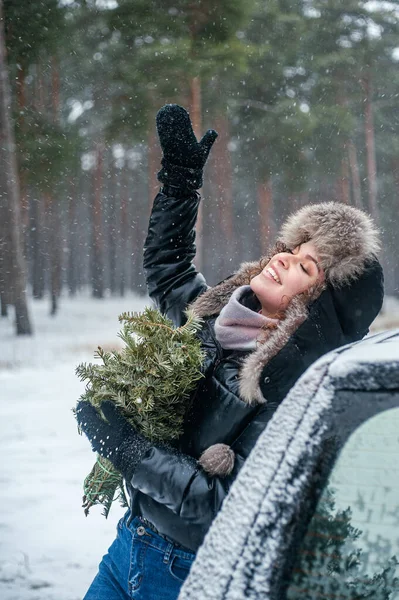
(48, 549)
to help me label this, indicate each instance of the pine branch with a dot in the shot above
(150, 379)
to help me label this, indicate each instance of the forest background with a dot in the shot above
(303, 93)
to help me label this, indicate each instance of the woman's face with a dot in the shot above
(286, 275)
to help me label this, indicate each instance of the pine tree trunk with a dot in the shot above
(5, 286)
(37, 248)
(342, 183)
(222, 193)
(137, 230)
(136, 259)
(370, 147)
(124, 229)
(97, 249)
(38, 216)
(72, 242)
(265, 211)
(195, 116)
(55, 244)
(137, 235)
(3, 304)
(113, 233)
(195, 106)
(154, 165)
(355, 175)
(4, 296)
(55, 216)
(21, 103)
(12, 257)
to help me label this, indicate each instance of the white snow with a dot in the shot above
(49, 550)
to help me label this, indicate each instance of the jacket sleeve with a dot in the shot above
(177, 481)
(172, 279)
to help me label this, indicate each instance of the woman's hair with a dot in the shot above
(307, 296)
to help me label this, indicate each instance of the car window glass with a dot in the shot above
(351, 549)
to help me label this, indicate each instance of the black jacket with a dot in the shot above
(168, 487)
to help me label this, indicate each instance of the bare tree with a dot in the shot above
(370, 145)
(12, 262)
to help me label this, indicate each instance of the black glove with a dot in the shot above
(183, 157)
(115, 439)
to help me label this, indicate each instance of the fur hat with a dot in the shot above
(345, 238)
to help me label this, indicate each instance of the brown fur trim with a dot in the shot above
(345, 238)
(212, 301)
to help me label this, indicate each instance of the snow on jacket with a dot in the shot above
(241, 390)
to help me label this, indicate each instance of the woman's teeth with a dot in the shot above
(273, 273)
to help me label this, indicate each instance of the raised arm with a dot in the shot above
(172, 279)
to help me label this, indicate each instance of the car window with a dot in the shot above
(351, 548)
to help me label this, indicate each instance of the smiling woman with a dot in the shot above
(286, 275)
(319, 288)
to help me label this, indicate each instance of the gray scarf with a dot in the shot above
(239, 325)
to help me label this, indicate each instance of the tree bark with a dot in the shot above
(97, 249)
(72, 241)
(265, 211)
(195, 116)
(12, 257)
(21, 103)
(154, 159)
(55, 245)
(355, 175)
(54, 204)
(37, 247)
(4, 299)
(370, 148)
(342, 184)
(222, 194)
(113, 232)
(38, 215)
(124, 229)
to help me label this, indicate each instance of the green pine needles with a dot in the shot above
(151, 379)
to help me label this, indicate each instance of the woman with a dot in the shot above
(320, 288)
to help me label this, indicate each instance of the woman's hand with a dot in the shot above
(114, 439)
(183, 156)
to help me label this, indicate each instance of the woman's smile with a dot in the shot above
(272, 274)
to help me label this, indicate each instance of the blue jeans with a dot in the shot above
(140, 564)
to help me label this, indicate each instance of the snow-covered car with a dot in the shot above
(314, 512)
